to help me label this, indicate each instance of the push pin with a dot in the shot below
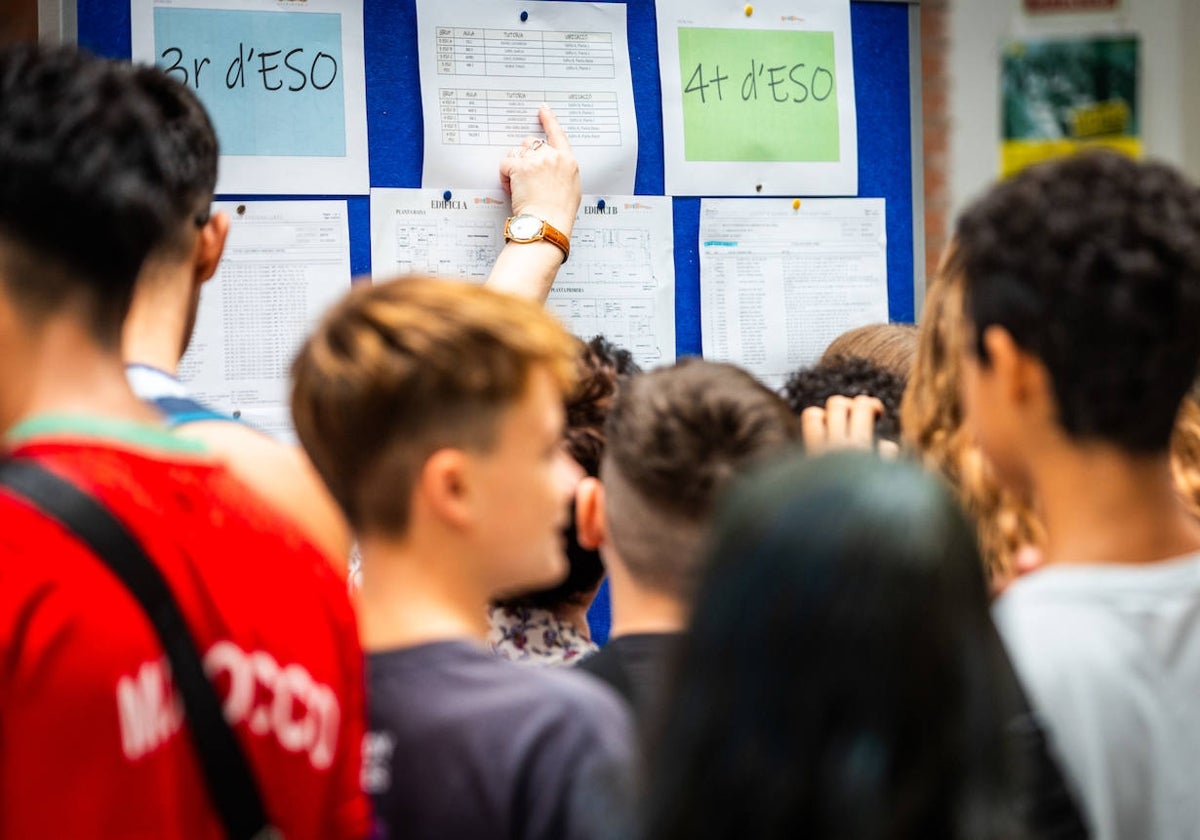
(237, 414)
(524, 16)
(758, 187)
(600, 204)
(241, 211)
(795, 204)
(749, 10)
(446, 195)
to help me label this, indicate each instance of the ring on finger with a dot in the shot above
(537, 144)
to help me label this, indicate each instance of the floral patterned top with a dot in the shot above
(534, 636)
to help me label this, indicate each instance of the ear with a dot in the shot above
(1022, 376)
(589, 513)
(210, 244)
(444, 488)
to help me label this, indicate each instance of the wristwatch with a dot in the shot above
(526, 228)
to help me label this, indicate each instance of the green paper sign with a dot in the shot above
(756, 95)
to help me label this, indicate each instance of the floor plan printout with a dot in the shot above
(285, 262)
(779, 282)
(486, 66)
(619, 281)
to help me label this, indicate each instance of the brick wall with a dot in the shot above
(934, 95)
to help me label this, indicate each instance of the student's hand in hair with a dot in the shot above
(844, 423)
(543, 176)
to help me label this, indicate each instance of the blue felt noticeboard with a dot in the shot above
(881, 31)
(394, 125)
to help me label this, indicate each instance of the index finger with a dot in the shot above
(555, 136)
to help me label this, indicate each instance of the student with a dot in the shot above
(544, 182)
(550, 626)
(841, 677)
(434, 412)
(676, 437)
(93, 743)
(1082, 285)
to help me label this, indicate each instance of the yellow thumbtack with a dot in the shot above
(749, 10)
(795, 204)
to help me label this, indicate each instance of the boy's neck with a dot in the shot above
(1102, 505)
(636, 609)
(156, 328)
(64, 372)
(411, 597)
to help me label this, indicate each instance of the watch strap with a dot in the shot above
(549, 233)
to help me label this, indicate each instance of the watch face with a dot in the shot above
(525, 227)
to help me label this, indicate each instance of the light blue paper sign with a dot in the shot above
(272, 81)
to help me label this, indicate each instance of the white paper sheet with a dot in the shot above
(758, 104)
(285, 262)
(284, 84)
(778, 284)
(619, 281)
(481, 85)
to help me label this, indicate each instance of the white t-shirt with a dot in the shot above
(1110, 656)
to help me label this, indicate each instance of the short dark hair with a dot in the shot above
(602, 367)
(848, 376)
(676, 437)
(81, 173)
(1092, 264)
(795, 706)
(187, 132)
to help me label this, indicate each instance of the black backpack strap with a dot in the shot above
(229, 779)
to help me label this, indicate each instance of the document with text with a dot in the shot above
(284, 84)
(758, 100)
(482, 83)
(778, 282)
(619, 281)
(285, 262)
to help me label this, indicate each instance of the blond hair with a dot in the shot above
(931, 421)
(400, 369)
(1185, 454)
(889, 346)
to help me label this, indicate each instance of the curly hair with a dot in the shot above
(1185, 455)
(849, 376)
(931, 418)
(1092, 264)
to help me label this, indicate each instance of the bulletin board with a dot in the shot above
(887, 86)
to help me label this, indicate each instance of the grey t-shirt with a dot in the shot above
(464, 745)
(1110, 656)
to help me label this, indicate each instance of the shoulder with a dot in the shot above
(282, 476)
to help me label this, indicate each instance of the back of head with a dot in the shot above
(187, 133)
(841, 677)
(889, 346)
(676, 437)
(398, 370)
(849, 376)
(1092, 265)
(81, 174)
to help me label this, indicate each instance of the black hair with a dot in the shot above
(841, 677)
(849, 376)
(186, 131)
(603, 366)
(81, 174)
(1092, 264)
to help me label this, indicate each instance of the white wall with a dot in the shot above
(1169, 79)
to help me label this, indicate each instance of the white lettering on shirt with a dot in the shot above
(284, 702)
